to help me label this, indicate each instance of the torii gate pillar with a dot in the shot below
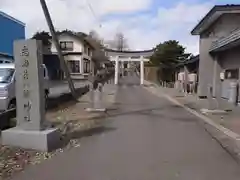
(116, 70)
(142, 70)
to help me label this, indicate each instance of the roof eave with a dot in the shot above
(197, 30)
(84, 40)
(12, 18)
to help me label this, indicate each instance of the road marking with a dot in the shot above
(226, 131)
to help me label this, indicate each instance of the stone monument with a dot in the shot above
(96, 96)
(30, 132)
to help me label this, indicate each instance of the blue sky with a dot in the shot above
(183, 14)
(170, 3)
(145, 23)
(155, 4)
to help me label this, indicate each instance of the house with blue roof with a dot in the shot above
(11, 30)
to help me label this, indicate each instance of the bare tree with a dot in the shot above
(94, 35)
(118, 43)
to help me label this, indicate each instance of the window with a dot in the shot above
(85, 49)
(66, 45)
(5, 60)
(73, 66)
(89, 52)
(125, 65)
(135, 57)
(86, 66)
(232, 74)
(6, 75)
(44, 72)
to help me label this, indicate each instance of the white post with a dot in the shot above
(122, 68)
(142, 70)
(129, 60)
(116, 70)
(186, 72)
(128, 68)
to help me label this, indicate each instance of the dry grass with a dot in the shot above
(70, 119)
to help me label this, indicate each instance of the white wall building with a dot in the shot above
(77, 52)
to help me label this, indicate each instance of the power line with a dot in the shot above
(91, 9)
(93, 12)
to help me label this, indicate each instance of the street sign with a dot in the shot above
(29, 84)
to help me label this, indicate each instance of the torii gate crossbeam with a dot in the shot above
(141, 60)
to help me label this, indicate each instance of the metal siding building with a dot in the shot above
(11, 30)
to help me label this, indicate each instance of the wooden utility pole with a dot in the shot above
(56, 43)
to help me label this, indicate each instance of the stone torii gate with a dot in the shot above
(119, 59)
(129, 56)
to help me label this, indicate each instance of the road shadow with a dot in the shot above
(78, 134)
(55, 102)
(165, 112)
(143, 111)
(191, 105)
(90, 132)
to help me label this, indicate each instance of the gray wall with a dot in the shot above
(205, 67)
(222, 27)
(230, 59)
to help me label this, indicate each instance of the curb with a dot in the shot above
(228, 139)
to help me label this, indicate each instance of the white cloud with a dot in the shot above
(118, 6)
(146, 31)
(71, 14)
(143, 31)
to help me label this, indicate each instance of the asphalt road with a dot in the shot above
(146, 138)
(61, 87)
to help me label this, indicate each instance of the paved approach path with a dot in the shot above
(147, 138)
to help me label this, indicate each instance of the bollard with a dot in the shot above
(182, 86)
(97, 104)
(178, 86)
(91, 95)
(164, 84)
(233, 93)
(209, 97)
(191, 87)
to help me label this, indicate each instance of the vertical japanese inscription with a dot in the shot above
(26, 85)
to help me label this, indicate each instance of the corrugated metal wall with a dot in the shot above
(9, 31)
